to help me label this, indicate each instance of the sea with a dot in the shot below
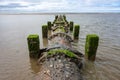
(15, 63)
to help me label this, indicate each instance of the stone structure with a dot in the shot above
(60, 61)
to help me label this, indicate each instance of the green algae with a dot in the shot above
(33, 45)
(91, 45)
(71, 25)
(76, 31)
(64, 51)
(60, 29)
(49, 25)
(33, 36)
(44, 31)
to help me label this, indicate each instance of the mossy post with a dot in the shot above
(64, 17)
(44, 31)
(49, 25)
(91, 45)
(76, 31)
(56, 17)
(71, 25)
(33, 45)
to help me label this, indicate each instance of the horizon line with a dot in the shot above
(55, 12)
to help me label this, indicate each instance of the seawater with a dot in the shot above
(15, 63)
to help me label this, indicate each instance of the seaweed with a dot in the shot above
(64, 51)
(33, 45)
(91, 46)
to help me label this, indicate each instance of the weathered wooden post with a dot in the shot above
(56, 17)
(71, 25)
(91, 45)
(33, 45)
(44, 31)
(76, 31)
(49, 25)
(64, 17)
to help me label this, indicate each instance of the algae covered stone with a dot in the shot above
(91, 45)
(76, 31)
(64, 51)
(45, 31)
(60, 29)
(33, 45)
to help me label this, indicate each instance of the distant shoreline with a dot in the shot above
(51, 13)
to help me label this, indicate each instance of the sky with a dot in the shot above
(72, 6)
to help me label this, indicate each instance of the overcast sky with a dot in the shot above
(60, 6)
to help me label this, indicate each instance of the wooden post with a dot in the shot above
(71, 25)
(33, 45)
(91, 45)
(76, 31)
(64, 17)
(56, 17)
(44, 31)
(49, 25)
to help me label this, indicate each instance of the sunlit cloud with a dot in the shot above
(60, 6)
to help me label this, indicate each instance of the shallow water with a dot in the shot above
(14, 56)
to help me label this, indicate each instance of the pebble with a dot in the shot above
(67, 76)
(59, 61)
(61, 65)
(52, 59)
(67, 67)
(48, 71)
(51, 65)
(56, 66)
(90, 72)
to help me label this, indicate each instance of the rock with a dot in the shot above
(51, 65)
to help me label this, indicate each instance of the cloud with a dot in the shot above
(21, 5)
(60, 6)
